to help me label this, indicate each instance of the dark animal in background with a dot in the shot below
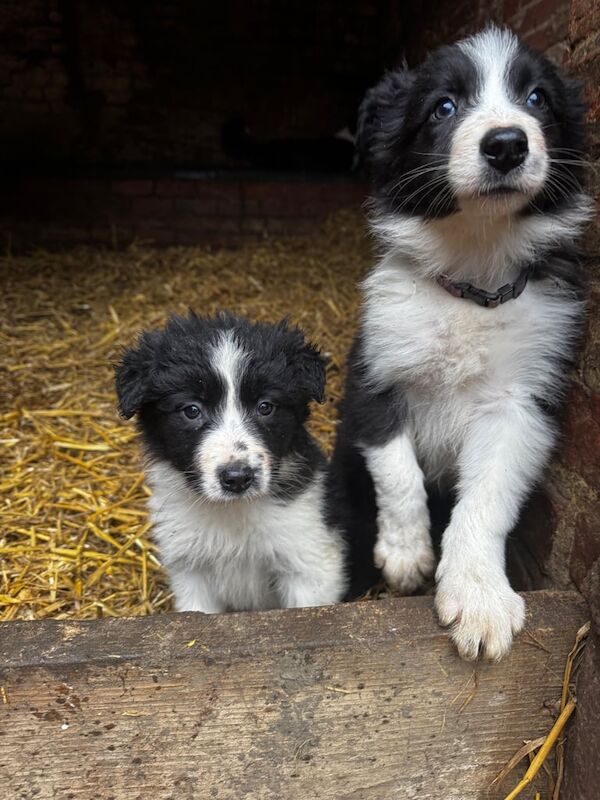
(237, 482)
(468, 322)
(334, 153)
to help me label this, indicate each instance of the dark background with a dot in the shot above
(108, 83)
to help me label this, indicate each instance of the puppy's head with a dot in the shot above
(222, 400)
(487, 122)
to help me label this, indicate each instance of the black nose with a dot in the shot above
(236, 478)
(505, 148)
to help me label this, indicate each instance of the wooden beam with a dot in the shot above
(365, 701)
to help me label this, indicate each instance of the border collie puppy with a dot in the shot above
(468, 322)
(237, 481)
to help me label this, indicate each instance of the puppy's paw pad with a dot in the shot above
(405, 568)
(484, 617)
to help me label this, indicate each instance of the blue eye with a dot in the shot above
(536, 99)
(445, 109)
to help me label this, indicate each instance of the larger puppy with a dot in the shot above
(468, 321)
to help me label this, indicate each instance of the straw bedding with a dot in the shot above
(74, 535)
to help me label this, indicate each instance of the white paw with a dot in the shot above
(407, 562)
(484, 612)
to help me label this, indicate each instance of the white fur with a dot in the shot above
(483, 243)
(224, 444)
(492, 52)
(470, 375)
(403, 550)
(251, 554)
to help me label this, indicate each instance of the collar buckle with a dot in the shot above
(510, 291)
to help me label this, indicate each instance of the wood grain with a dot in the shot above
(366, 701)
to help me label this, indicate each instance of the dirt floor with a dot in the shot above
(74, 536)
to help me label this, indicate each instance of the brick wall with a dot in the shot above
(108, 82)
(544, 24)
(152, 83)
(54, 212)
(577, 472)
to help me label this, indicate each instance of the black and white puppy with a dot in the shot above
(468, 322)
(237, 482)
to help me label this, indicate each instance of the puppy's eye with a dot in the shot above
(265, 408)
(191, 412)
(537, 99)
(445, 109)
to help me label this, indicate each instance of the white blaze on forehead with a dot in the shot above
(228, 358)
(492, 53)
(232, 438)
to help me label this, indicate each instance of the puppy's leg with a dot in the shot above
(506, 448)
(193, 592)
(298, 591)
(403, 549)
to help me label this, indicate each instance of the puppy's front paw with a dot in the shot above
(407, 560)
(484, 613)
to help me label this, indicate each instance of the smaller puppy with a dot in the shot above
(236, 479)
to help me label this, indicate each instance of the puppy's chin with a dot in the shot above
(213, 493)
(486, 193)
(494, 202)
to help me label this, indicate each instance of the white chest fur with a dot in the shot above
(264, 553)
(451, 356)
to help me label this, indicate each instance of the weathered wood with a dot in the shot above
(366, 701)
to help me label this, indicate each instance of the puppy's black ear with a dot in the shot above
(132, 376)
(382, 112)
(312, 372)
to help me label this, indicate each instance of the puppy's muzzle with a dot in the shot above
(505, 148)
(237, 477)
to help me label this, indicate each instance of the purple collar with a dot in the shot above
(510, 291)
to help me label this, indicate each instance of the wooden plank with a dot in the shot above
(366, 701)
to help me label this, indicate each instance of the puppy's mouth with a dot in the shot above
(499, 191)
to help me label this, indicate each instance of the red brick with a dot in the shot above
(543, 39)
(303, 199)
(218, 197)
(111, 207)
(512, 7)
(162, 235)
(208, 230)
(114, 235)
(152, 207)
(271, 226)
(174, 188)
(133, 187)
(581, 437)
(211, 204)
(540, 13)
(585, 19)
(586, 546)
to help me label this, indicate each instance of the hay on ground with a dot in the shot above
(74, 534)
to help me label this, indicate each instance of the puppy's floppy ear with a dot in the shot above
(132, 375)
(312, 372)
(382, 110)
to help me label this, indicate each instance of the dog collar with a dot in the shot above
(510, 291)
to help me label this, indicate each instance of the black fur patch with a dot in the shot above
(405, 148)
(367, 418)
(172, 369)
